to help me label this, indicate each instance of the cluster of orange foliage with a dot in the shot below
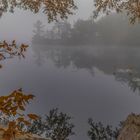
(130, 7)
(11, 50)
(52, 8)
(13, 107)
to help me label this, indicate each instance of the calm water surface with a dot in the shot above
(97, 82)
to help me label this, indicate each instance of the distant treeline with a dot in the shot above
(109, 30)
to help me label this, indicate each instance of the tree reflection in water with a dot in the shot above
(130, 77)
(118, 62)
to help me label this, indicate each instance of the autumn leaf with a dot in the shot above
(33, 116)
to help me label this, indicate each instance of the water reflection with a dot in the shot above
(123, 63)
(114, 71)
(83, 81)
(70, 86)
(78, 58)
(131, 77)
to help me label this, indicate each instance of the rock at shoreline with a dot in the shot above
(131, 128)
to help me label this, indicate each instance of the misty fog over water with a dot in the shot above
(90, 80)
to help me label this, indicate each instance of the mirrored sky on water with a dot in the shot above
(80, 89)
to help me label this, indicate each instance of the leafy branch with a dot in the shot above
(8, 51)
(130, 7)
(13, 107)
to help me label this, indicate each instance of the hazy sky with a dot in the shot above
(19, 25)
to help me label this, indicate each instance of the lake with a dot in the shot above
(82, 81)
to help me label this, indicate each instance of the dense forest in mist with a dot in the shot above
(111, 30)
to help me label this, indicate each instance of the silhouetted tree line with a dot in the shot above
(62, 33)
(109, 30)
(58, 126)
(98, 131)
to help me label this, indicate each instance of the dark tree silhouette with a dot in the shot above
(56, 126)
(98, 131)
(39, 31)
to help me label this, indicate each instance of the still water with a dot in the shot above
(83, 81)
